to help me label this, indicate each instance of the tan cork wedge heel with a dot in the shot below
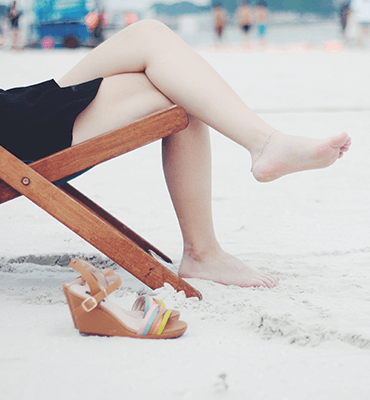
(94, 314)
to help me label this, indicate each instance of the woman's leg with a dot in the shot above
(187, 165)
(125, 96)
(187, 168)
(185, 78)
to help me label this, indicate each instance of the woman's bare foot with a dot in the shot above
(285, 154)
(223, 268)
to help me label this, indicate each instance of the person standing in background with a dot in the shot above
(2, 40)
(13, 16)
(219, 16)
(244, 16)
(261, 18)
(98, 32)
(343, 15)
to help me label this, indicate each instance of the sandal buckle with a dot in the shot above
(85, 306)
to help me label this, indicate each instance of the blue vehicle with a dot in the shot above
(62, 22)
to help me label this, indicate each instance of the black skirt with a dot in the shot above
(37, 120)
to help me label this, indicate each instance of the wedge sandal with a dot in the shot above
(94, 314)
(104, 277)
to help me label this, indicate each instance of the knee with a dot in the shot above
(150, 28)
(151, 25)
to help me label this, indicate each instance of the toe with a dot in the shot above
(345, 147)
(258, 283)
(340, 140)
(267, 282)
(270, 280)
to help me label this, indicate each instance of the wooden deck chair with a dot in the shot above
(83, 216)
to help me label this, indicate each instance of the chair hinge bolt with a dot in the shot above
(26, 181)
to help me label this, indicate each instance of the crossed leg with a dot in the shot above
(147, 67)
(187, 167)
(185, 78)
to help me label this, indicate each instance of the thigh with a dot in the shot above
(121, 99)
(130, 50)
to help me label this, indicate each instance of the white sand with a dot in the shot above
(308, 338)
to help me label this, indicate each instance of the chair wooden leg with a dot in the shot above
(90, 226)
(141, 242)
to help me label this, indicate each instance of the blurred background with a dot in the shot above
(47, 24)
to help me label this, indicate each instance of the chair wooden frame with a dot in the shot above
(83, 216)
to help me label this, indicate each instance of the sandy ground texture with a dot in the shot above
(307, 338)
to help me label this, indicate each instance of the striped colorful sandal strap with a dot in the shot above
(142, 303)
(155, 320)
(149, 317)
(160, 321)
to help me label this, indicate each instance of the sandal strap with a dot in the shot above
(155, 318)
(149, 317)
(164, 321)
(88, 275)
(107, 271)
(161, 321)
(98, 293)
(92, 302)
(142, 303)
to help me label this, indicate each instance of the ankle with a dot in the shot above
(201, 253)
(258, 154)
